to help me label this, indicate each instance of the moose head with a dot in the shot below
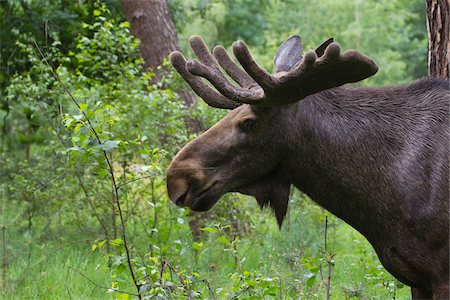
(248, 151)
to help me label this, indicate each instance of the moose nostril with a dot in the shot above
(177, 188)
(180, 200)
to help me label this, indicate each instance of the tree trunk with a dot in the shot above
(150, 22)
(438, 26)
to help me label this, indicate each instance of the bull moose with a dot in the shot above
(378, 158)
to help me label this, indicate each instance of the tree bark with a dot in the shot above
(438, 26)
(151, 22)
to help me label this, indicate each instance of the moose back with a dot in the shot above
(376, 157)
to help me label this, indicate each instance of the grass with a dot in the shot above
(266, 263)
(49, 276)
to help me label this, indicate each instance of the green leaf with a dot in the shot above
(97, 13)
(116, 242)
(109, 145)
(223, 239)
(83, 106)
(310, 281)
(100, 244)
(154, 259)
(197, 246)
(78, 127)
(122, 296)
(209, 229)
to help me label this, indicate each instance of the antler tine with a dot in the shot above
(234, 93)
(319, 70)
(261, 76)
(209, 69)
(235, 72)
(202, 52)
(330, 70)
(321, 49)
(208, 94)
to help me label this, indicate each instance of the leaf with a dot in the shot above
(100, 244)
(97, 13)
(116, 242)
(109, 145)
(209, 229)
(154, 259)
(122, 296)
(310, 281)
(78, 127)
(223, 239)
(83, 106)
(197, 246)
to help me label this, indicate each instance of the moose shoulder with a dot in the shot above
(376, 157)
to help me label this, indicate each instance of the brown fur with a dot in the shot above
(378, 158)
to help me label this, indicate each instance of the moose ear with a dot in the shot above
(272, 190)
(321, 49)
(289, 53)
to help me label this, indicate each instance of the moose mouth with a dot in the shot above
(206, 199)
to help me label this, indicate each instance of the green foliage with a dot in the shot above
(391, 32)
(58, 204)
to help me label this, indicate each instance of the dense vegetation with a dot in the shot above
(86, 137)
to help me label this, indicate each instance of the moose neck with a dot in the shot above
(333, 151)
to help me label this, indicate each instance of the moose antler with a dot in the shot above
(256, 86)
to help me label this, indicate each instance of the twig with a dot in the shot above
(240, 292)
(180, 278)
(132, 180)
(91, 204)
(101, 286)
(328, 260)
(65, 283)
(209, 287)
(111, 170)
(54, 178)
(4, 257)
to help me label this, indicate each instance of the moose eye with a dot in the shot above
(247, 125)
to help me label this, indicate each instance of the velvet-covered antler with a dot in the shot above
(319, 70)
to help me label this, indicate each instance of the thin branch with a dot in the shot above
(133, 180)
(4, 262)
(172, 269)
(66, 281)
(101, 286)
(91, 127)
(240, 292)
(208, 286)
(328, 260)
(180, 278)
(111, 170)
(91, 204)
(55, 178)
